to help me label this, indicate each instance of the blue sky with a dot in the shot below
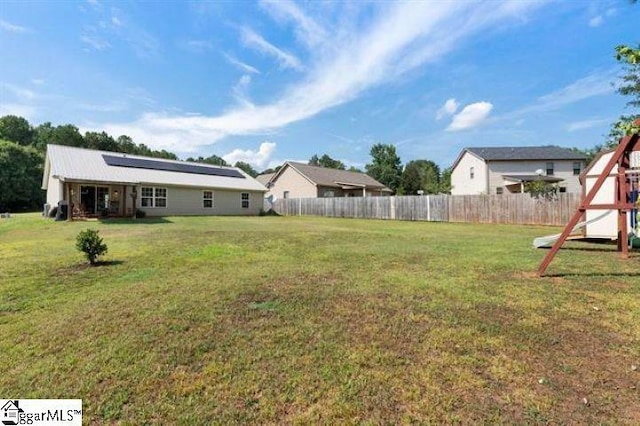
(271, 81)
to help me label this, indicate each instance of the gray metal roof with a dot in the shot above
(325, 176)
(526, 153)
(79, 164)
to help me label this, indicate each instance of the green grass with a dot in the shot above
(309, 320)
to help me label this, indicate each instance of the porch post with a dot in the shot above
(69, 202)
(134, 196)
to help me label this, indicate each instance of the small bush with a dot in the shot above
(140, 214)
(90, 243)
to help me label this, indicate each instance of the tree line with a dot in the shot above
(23, 148)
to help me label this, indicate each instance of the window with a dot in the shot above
(472, 172)
(329, 193)
(146, 199)
(499, 190)
(245, 200)
(577, 168)
(550, 168)
(207, 199)
(285, 194)
(153, 197)
(563, 189)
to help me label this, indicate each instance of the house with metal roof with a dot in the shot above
(299, 180)
(502, 170)
(100, 183)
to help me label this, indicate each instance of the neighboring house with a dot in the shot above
(502, 170)
(96, 183)
(265, 178)
(606, 225)
(298, 180)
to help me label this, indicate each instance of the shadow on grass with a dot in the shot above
(107, 263)
(130, 221)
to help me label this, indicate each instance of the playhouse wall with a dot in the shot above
(607, 227)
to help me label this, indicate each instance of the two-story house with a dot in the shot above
(502, 170)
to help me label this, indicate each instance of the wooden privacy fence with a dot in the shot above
(506, 208)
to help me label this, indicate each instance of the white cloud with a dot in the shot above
(241, 88)
(38, 81)
(258, 158)
(587, 124)
(252, 39)
(307, 29)
(103, 107)
(471, 116)
(198, 46)
(449, 108)
(12, 28)
(595, 84)
(395, 38)
(241, 65)
(20, 93)
(596, 21)
(116, 21)
(95, 42)
(21, 110)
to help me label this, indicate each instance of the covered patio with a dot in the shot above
(517, 183)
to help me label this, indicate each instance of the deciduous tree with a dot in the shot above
(420, 175)
(326, 161)
(20, 177)
(16, 129)
(385, 165)
(246, 167)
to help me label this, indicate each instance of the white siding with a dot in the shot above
(563, 169)
(292, 181)
(54, 191)
(188, 202)
(461, 183)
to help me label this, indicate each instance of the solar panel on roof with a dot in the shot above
(140, 163)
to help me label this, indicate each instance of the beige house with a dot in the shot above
(94, 183)
(298, 180)
(502, 170)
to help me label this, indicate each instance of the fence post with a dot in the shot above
(428, 208)
(392, 207)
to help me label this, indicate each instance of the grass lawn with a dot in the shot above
(310, 320)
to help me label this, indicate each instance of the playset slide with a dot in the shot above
(548, 240)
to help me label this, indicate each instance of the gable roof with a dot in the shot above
(71, 164)
(324, 176)
(526, 153)
(521, 153)
(264, 178)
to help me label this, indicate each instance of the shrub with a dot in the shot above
(90, 243)
(140, 214)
